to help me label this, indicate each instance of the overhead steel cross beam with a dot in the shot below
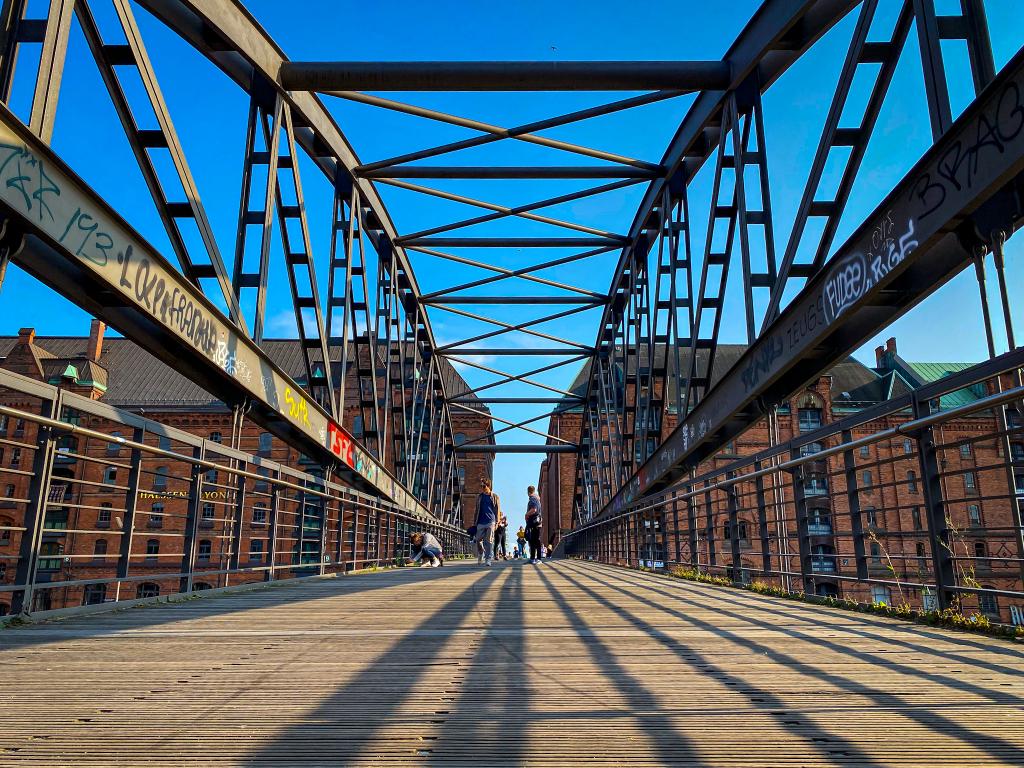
(504, 75)
(966, 189)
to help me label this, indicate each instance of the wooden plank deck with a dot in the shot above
(567, 663)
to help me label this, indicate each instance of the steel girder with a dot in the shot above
(778, 34)
(960, 198)
(229, 37)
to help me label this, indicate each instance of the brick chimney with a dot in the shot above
(885, 357)
(879, 357)
(26, 335)
(890, 346)
(95, 348)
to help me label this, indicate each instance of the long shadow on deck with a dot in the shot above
(999, 749)
(88, 626)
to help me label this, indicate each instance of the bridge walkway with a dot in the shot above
(567, 663)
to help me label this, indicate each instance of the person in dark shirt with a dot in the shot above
(534, 522)
(500, 549)
(488, 512)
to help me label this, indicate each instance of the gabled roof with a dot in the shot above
(135, 379)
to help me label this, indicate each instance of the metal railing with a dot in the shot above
(910, 501)
(100, 505)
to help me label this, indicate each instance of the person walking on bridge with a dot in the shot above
(500, 544)
(534, 523)
(521, 542)
(488, 512)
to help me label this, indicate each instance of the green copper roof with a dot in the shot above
(928, 372)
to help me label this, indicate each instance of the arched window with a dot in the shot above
(156, 515)
(980, 550)
(147, 589)
(205, 549)
(201, 586)
(989, 604)
(266, 443)
(152, 549)
(160, 479)
(50, 554)
(103, 516)
(110, 475)
(256, 550)
(912, 481)
(113, 447)
(99, 550)
(5, 531)
(460, 438)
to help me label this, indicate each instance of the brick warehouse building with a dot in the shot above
(972, 463)
(117, 372)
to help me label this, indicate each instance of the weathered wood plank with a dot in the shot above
(564, 663)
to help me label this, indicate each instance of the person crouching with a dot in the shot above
(428, 549)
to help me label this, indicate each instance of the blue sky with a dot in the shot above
(210, 113)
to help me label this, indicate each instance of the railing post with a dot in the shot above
(943, 564)
(195, 495)
(803, 539)
(677, 552)
(709, 527)
(691, 516)
(354, 563)
(734, 532)
(856, 516)
(237, 523)
(762, 521)
(35, 509)
(271, 572)
(131, 502)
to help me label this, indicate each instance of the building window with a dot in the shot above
(876, 553)
(1017, 451)
(816, 486)
(19, 428)
(256, 550)
(152, 549)
(16, 458)
(809, 449)
(920, 549)
(865, 451)
(915, 515)
(103, 518)
(974, 515)
(9, 491)
(819, 523)
(881, 594)
(871, 516)
(866, 480)
(211, 475)
(208, 513)
(460, 438)
(912, 481)
(99, 550)
(988, 604)
(980, 550)
(261, 485)
(726, 532)
(357, 426)
(94, 594)
(163, 442)
(109, 475)
(216, 437)
(147, 589)
(259, 514)
(205, 550)
(266, 444)
(50, 554)
(5, 531)
(201, 586)
(113, 447)
(809, 419)
(3, 424)
(823, 559)
(969, 483)
(156, 516)
(908, 446)
(160, 479)
(965, 450)
(1018, 482)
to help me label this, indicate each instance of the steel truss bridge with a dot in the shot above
(649, 490)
